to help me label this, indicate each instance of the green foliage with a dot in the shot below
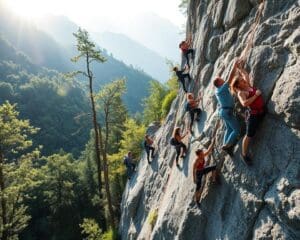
(86, 48)
(152, 217)
(91, 229)
(16, 173)
(152, 104)
(109, 235)
(59, 176)
(132, 138)
(47, 98)
(113, 112)
(167, 101)
(14, 132)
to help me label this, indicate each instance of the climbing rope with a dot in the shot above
(253, 29)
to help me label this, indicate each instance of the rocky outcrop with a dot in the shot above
(258, 202)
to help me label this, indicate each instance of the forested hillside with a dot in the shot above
(46, 46)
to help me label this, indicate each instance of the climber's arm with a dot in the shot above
(247, 101)
(233, 71)
(210, 148)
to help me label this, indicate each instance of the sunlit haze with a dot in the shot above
(86, 12)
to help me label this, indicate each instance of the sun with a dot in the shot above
(29, 9)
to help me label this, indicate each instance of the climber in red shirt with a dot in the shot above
(251, 98)
(199, 168)
(186, 49)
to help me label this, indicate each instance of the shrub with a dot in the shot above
(152, 217)
(167, 101)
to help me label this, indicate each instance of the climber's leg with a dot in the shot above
(182, 80)
(252, 124)
(178, 150)
(184, 149)
(198, 112)
(192, 115)
(199, 188)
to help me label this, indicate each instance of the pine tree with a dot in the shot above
(88, 52)
(16, 172)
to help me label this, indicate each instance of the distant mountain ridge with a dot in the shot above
(134, 53)
(46, 47)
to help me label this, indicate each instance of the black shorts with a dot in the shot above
(199, 175)
(252, 123)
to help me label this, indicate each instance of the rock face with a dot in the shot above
(258, 202)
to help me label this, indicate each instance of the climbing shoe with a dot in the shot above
(247, 160)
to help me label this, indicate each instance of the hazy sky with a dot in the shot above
(84, 12)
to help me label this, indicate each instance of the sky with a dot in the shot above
(84, 12)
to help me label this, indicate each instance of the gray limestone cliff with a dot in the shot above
(257, 202)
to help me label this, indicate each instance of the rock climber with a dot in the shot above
(226, 105)
(176, 141)
(130, 165)
(251, 98)
(181, 77)
(199, 168)
(186, 49)
(148, 147)
(193, 109)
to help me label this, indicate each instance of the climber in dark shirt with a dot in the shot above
(182, 76)
(130, 165)
(178, 144)
(193, 109)
(148, 147)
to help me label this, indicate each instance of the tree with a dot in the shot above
(132, 138)
(59, 177)
(153, 103)
(16, 172)
(88, 52)
(113, 112)
(91, 229)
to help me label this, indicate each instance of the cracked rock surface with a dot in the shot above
(258, 202)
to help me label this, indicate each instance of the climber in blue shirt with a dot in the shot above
(226, 105)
